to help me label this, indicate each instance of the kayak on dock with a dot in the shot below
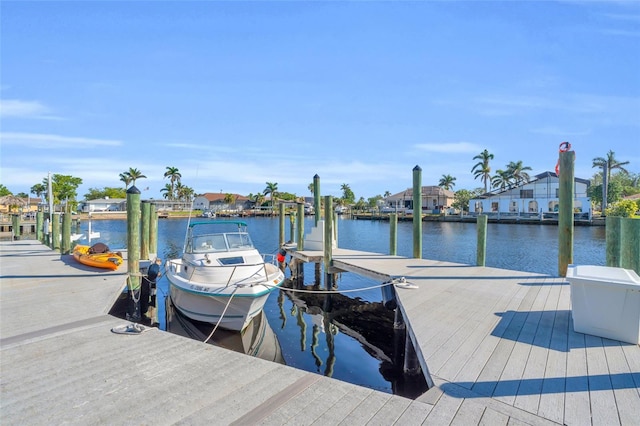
(98, 255)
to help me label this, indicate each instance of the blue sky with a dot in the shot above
(237, 94)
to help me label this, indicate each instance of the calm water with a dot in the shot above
(316, 339)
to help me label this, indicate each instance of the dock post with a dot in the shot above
(39, 226)
(300, 236)
(482, 239)
(328, 241)
(411, 362)
(281, 217)
(47, 229)
(612, 232)
(417, 212)
(316, 198)
(565, 211)
(393, 234)
(65, 248)
(292, 226)
(133, 248)
(15, 226)
(144, 230)
(630, 244)
(55, 231)
(153, 230)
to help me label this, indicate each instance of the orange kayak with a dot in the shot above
(108, 260)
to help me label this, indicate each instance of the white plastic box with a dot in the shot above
(605, 302)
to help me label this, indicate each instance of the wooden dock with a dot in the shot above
(498, 345)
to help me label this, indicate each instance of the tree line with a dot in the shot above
(620, 183)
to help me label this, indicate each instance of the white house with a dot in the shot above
(540, 195)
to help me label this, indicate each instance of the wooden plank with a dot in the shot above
(528, 397)
(415, 414)
(624, 388)
(577, 408)
(469, 413)
(603, 403)
(366, 409)
(507, 387)
(444, 412)
(493, 418)
(390, 412)
(553, 386)
(494, 368)
(495, 324)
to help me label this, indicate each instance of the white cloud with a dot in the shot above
(41, 140)
(16, 108)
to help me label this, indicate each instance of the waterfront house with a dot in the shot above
(434, 200)
(538, 196)
(215, 202)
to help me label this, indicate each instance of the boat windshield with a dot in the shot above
(220, 242)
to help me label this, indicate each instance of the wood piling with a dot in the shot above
(481, 254)
(417, 212)
(133, 249)
(565, 211)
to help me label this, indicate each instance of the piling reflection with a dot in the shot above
(376, 328)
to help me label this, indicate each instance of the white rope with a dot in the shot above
(394, 281)
(222, 315)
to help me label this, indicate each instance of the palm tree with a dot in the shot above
(39, 189)
(168, 190)
(447, 182)
(518, 172)
(271, 190)
(387, 194)
(482, 169)
(174, 176)
(134, 174)
(611, 164)
(310, 188)
(501, 180)
(124, 177)
(258, 199)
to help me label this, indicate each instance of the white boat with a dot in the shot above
(222, 278)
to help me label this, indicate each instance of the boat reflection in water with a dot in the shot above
(257, 339)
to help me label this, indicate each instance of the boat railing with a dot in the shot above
(246, 273)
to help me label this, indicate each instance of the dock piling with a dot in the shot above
(481, 255)
(417, 212)
(133, 248)
(565, 211)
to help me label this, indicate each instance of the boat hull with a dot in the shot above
(231, 306)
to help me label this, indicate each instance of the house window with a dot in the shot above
(526, 193)
(513, 206)
(494, 206)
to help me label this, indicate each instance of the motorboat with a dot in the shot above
(98, 255)
(221, 277)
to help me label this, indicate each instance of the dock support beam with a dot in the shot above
(281, 225)
(393, 234)
(65, 248)
(481, 255)
(133, 250)
(417, 212)
(153, 230)
(300, 245)
(565, 211)
(39, 226)
(144, 232)
(328, 241)
(612, 232)
(630, 244)
(55, 231)
(316, 198)
(292, 226)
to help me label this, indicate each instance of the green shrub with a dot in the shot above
(624, 208)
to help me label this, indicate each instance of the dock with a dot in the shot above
(498, 346)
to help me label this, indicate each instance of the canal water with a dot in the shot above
(351, 336)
